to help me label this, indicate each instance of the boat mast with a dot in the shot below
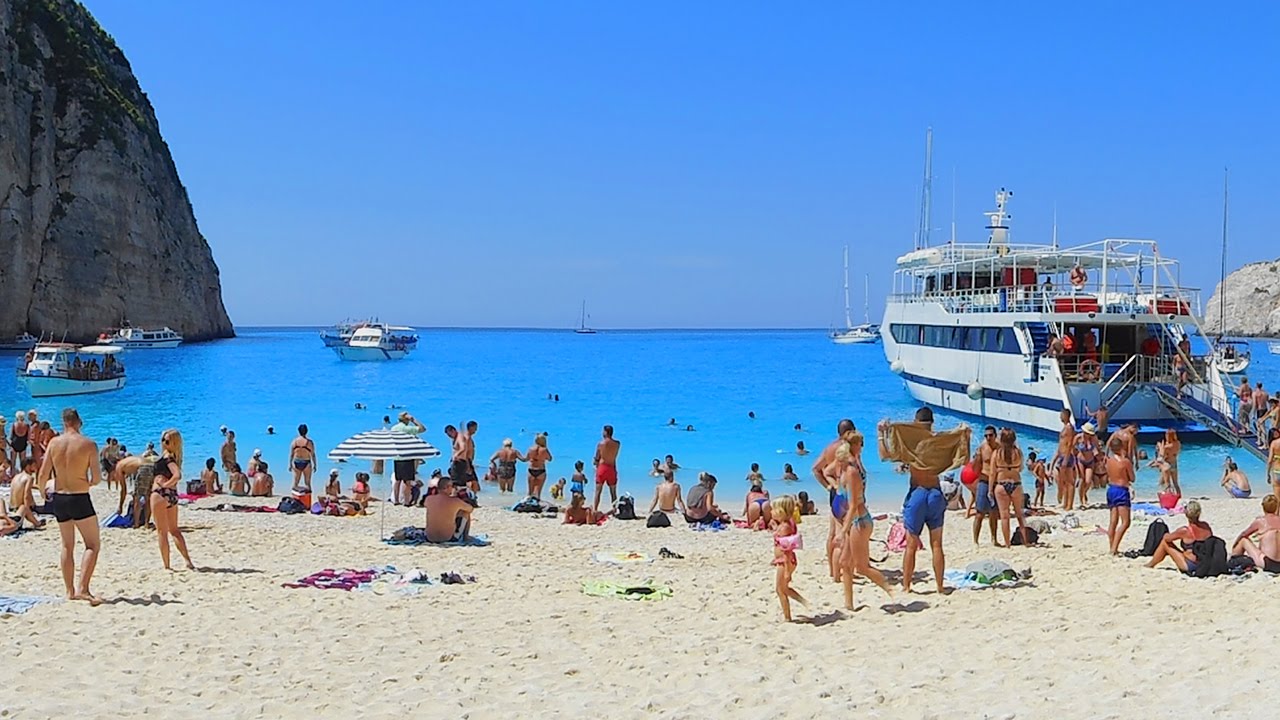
(848, 320)
(953, 204)
(866, 299)
(926, 201)
(1222, 282)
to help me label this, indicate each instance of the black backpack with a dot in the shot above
(290, 506)
(658, 519)
(1211, 557)
(1155, 535)
(625, 509)
(1033, 537)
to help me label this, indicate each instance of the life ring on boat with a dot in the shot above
(1090, 368)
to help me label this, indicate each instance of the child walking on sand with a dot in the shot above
(786, 540)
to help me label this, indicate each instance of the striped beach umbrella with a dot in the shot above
(384, 445)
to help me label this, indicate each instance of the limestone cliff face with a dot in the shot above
(95, 225)
(1252, 302)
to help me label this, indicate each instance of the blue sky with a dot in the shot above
(686, 164)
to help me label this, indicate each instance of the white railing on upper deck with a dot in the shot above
(1038, 299)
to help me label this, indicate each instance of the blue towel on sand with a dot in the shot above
(18, 604)
(716, 526)
(1149, 508)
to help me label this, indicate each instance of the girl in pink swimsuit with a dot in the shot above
(786, 540)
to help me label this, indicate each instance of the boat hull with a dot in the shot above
(369, 354)
(144, 344)
(42, 386)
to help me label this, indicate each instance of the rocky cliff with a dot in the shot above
(95, 225)
(1252, 302)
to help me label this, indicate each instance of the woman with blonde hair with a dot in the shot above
(853, 538)
(163, 500)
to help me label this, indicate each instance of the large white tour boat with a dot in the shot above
(55, 369)
(1016, 333)
(378, 341)
(133, 338)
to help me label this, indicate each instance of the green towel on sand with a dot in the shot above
(646, 591)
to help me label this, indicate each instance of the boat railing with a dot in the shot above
(1134, 300)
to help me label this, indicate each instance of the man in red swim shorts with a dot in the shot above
(606, 462)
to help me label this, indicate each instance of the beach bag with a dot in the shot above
(291, 506)
(196, 487)
(1241, 564)
(1155, 535)
(1033, 537)
(896, 541)
(528, 505)
(1211, 557)
(658, 519)
(625, 509)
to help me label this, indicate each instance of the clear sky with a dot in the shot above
(680, 164)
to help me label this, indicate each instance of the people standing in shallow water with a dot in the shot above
(801, 449)
(538, 456)
(72, 464)
(504, 462)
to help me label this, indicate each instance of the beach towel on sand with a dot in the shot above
(621, 558)
(418, 536)
(336, 579)
(644, 591)
(18, 604)
(918, 447)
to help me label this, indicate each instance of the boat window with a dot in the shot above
(973, 339)
(1009, 342)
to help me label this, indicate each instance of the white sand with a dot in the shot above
(1095, 637)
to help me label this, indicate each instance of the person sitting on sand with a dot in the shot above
(22, 494)
(7, 524)
(360, 489)
(448, 517)
(237, 482)
(700, 506)
(1266, 552)
(578, 513)
(1194, 531)
(807, 506)
(254, 463)
(1235, 482)
(208, 483)
(667, 496)
(333, 488)
(263, 484)
(788, 474)
(757, 510)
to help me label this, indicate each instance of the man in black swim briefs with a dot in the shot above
(73, 463)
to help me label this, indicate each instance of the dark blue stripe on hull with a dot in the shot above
(988, 393)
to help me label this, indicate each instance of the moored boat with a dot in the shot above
(972, 328)
(56, 369)
(132, 338)
(378, 341)
(19, 343)
(340, 334)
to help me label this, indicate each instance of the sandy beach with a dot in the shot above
(1089, 636)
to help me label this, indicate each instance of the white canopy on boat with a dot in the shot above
(99, 350)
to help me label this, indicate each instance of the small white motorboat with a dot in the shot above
(341, 333)
(57, 369)
(1232, 356)
(377, 341)
(1274, 347)
(19, 343)
(133, 338)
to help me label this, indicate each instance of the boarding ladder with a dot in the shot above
(1196, 405)
(1122, 385)
(1038, 332)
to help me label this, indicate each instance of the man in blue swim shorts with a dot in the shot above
(927, 455)
(984, 504)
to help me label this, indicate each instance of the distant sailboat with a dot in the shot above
(582, 322)
(863, 334)
(1231, 356)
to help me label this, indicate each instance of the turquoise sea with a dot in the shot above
(635, 380)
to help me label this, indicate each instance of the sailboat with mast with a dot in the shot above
(864, 334)
(1233, 356)
(582, 328)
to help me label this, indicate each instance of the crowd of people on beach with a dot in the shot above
(60, 468)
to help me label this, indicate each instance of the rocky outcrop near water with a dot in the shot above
(95, 225)
(1252, 302)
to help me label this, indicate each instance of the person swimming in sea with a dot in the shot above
(788, 474)
(755, 476)
(801, 449)
(689, 428)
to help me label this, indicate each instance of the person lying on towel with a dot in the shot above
(448, 516)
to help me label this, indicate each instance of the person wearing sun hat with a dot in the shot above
(1087, 453)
